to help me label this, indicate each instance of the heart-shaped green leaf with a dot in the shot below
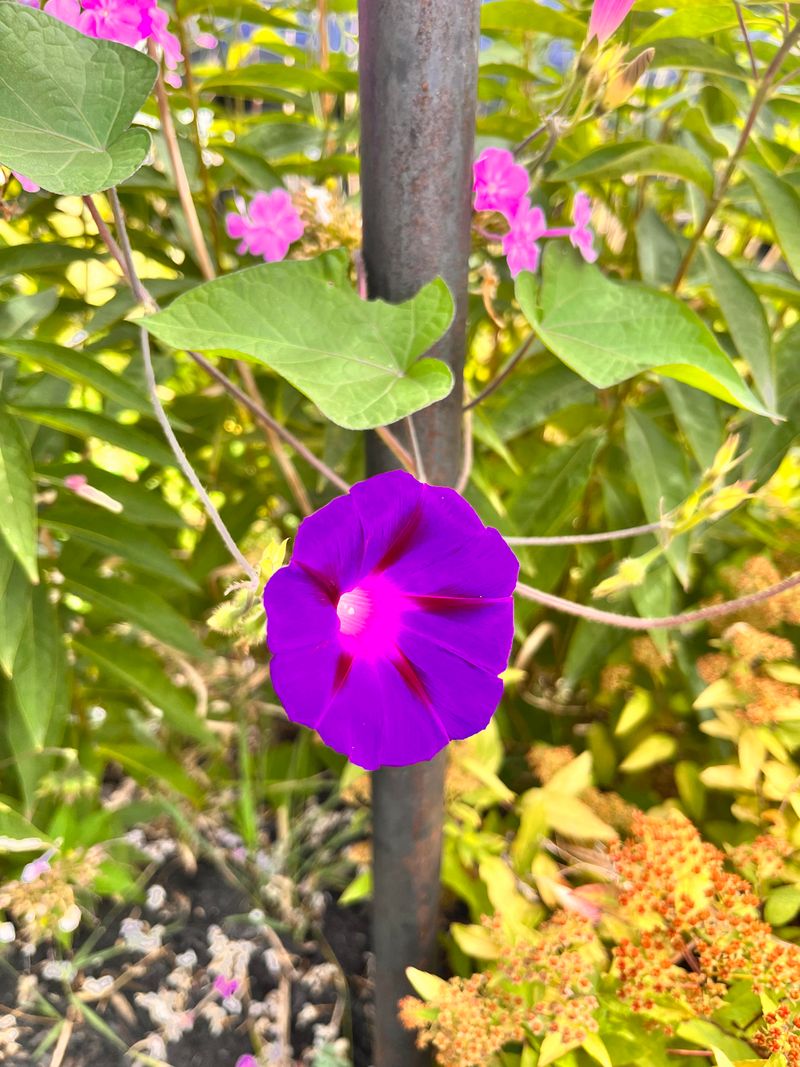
(609, 331)
(359, 361)
(67, 102)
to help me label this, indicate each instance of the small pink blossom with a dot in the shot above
(267, 226)
(35, 869)
(205, 40)
(247, 1061)
(607, 17)
(159, 32)
(26, 183)
(226, 987)
(79, 485)
(30, 3)
(520, 244)
(112, 20)
(581, 235)
(68, 11)
(500, 183)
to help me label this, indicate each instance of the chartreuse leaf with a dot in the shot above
(618, 161)
(524, 15)
(609, 331)
(17, 504)
(781, 204)
(746, 320)
(358, 361)
(17, 834)
(15, 595)
(700, 20)
(80, 368)
(67, 102)
(38, 674)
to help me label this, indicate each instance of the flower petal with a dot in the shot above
(305, 680)
(388, 507)
(480, 632)
(463, 696)
(330, 545)
(451, 552)
(300, 611)
(378, 719)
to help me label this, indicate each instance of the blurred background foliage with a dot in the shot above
(121, 708)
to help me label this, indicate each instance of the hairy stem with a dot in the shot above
(668, 622)
(182, 181)
(163, 420)
(759, 100)
(589, 539)
(501, 377)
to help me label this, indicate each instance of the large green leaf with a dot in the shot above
(17, 503)
(358, 361)
(39, 255)
(67, 102)
(90, 424)
(662, 478)
(609, 331)
(746, 319)
(80, 368)
(15, 595)
(143, 673)
(781, 204)
(619, 161)
(700, 20)
(138, 605)
(40, 666)
(527, 16)
(114, 535)
(261, 78)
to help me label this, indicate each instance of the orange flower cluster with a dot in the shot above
(759, 573)
(540, 986)
(762, 698)
(781, 1034)
(699, 927)
(764, 860)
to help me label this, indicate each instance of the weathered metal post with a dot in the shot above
(419, 68)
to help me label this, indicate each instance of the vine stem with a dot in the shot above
(505, 373)
(256, 409)
(668, 622)
(182, 180)
(588, 539)
(762, 94)
(163, 420)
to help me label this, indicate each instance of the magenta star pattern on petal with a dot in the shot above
(520, 244)
(581, 235)
(607, 17)
(393, 621)
(500, 183)
(267, 226)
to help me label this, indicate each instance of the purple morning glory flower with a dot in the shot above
(393, 621)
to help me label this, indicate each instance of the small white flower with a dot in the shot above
(187, 959)
(7, 933)
(156, 897)
(70, 920)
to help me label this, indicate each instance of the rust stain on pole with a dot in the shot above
(419, 70)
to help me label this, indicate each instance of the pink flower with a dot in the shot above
(30, 3)
(581, 235)
(247, 1061)
(520, 244)
(112, 20)
(26, 183)
(35, 869)
(267, 226)
(500, 183)
(205, 40)
(226, 987)
(68, 11)
(79, 485)
(159, 32)
(607, 17)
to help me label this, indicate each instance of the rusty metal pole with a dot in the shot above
(419, 72)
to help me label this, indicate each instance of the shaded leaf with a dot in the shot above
(358, 361)
(90, 424)
(609, 331)
(620, 161)
(781, 204)
(66, 102)
(17, 501)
